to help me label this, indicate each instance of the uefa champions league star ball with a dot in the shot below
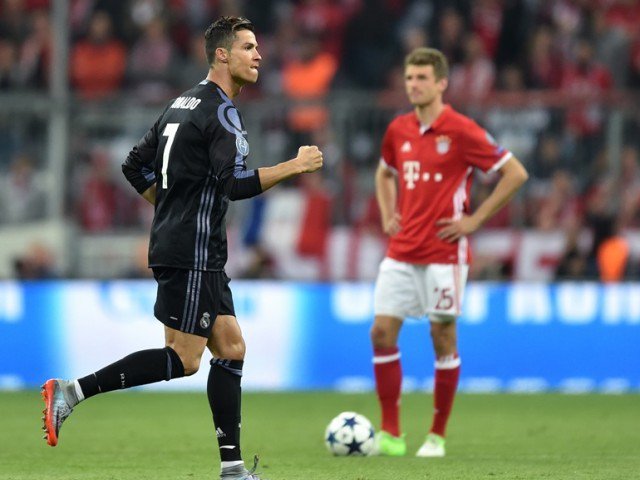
(349, 433)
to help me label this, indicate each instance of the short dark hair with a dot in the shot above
(429, 56)
(222, 33)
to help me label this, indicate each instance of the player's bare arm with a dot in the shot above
(513, 177)
(387, 194)
(150, 194)
(309, 160)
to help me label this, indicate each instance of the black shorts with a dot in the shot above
(190, 300)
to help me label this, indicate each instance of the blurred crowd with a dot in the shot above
(155, 46)
(578, 53)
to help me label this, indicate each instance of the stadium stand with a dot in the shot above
(555, 82)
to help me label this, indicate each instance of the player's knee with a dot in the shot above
(443, 333)
(191, 365)
(380, 337)
(232, 350)
(190, 361)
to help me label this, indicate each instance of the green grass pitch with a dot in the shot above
(144, 435)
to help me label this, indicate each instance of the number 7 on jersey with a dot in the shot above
(170, 132)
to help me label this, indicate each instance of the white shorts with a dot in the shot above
(408, 290)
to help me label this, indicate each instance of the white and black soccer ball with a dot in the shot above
(349, 433)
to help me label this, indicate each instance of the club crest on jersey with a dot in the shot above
(205, 321)
(242, 145)
(443, 144)
(406, 147)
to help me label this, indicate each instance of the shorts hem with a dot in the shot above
(433, 313)
(174, 325)
(386, 314)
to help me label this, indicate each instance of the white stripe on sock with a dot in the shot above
(386, 358)
(448, 363)
(231, 464)
(79, 393)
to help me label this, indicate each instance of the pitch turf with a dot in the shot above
(140, 435)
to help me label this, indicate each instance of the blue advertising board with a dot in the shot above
(522, 337)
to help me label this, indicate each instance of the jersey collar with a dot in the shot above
(224, 96)
(437, 123)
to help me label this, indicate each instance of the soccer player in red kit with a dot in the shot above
(423, 185)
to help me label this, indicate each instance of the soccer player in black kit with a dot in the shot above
(189, 165)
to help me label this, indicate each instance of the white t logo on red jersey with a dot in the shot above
(411, 173)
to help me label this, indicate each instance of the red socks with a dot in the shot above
(446, 383)
(388, 373)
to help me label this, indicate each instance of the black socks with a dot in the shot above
(223, 390)
(150, 366)
(139, 368)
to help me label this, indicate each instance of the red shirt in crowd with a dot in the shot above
(585, 117)
(98, 69)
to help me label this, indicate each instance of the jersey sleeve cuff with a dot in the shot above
(498, 165)
(384, 163)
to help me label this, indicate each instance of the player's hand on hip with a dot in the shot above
(452, 229)
(309, 158)
(391, 225)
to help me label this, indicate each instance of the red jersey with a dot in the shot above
(434, 166)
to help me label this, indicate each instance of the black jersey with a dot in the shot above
(195, 154)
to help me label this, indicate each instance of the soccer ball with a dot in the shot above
(349, 434)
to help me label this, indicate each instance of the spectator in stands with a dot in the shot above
(35, 55)
(14, 21)
(549, 157)
(449, 37)
(411, 38)
(486, 23)
(612, 46)
(417, 15)
(573, 265)
(194, 64)
(139, 267)
(9, 74)
(610, 249)
(629, 187)
(635, 63)
(152, 64)
(37, 263)
(98, 62)
(595, 173)
(22, 194)
(315, 224)
(569, 20)
(559, 206)
(623, 15)
(258, 264)
(306, 80)
(474, 78)
(327, 20)
(544, 63)
(517, 19)
(98, 201)
(517, 126)
(81, 12)
(369, 51)
(584, 80)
